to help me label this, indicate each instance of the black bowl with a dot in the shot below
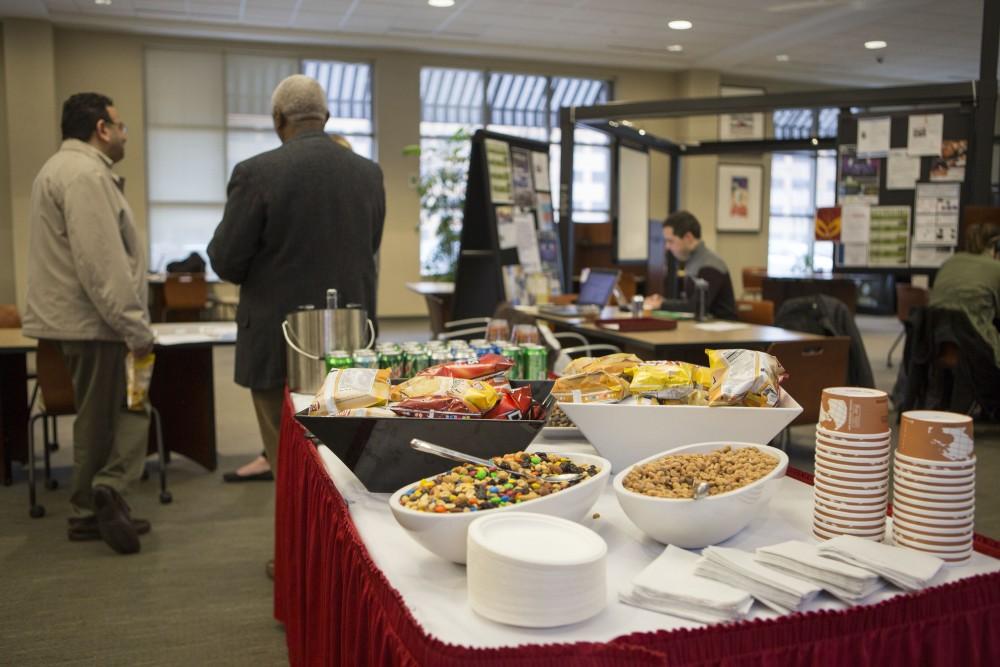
(377, 449)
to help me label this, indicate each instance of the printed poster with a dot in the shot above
(543, 202)
(902, 170)
(859, 178)
(925, 134)
(929, 256)
(524, 190)
(527, 242)
(935, 220)
(828, 224)
(951, 165)
(889, 236)
(498, 165)
(873, 137)
(540, 171)
(855, 220)
(854, 254)
(506, 231)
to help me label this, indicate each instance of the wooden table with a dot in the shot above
(439, 297)
(685, 343)
(182, 389)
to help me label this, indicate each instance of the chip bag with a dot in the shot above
(479, 395)
(596, 387)
(670, 380)
(488, 366)
(138, 374)
(744, 377)
(349, 388)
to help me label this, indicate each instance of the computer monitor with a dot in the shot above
(597, 288)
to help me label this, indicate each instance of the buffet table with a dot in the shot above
(352, 588)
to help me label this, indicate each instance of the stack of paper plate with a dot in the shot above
(534, 570)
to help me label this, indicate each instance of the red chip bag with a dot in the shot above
(487, 366)
(513, 404)
(435, 407)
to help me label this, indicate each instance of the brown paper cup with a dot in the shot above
(825, 513)
(936, 436)
(931, 478)
(856, 410)
(852, 438)
(913, 527)
(929, 522)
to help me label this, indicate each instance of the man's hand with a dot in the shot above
(652, 302)
(142, 352)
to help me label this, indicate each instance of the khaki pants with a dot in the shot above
(109, 440)
(267, 403)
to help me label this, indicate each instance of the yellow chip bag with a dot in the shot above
(349, 388)
(669, 380)
(596, 387)
(744, 377)
(475, 393)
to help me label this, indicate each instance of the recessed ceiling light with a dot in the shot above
(782, 58)
(102, 2)
(441, 3)
(876, 44)
(642, 133)
(675, 48)
(680, 24)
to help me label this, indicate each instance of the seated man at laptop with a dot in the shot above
(682, 237)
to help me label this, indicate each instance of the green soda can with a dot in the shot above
(515, 354)
(391, 357)
(365, 359)
(536, 359)
(419, 360)
(338, 359)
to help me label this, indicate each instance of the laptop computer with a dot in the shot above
(595, 290)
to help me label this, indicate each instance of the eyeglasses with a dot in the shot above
(120, 125)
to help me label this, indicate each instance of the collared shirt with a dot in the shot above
(86, 265)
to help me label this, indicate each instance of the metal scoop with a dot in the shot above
(445, 453)
(701, 491)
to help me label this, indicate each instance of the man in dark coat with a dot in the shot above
(299, 219)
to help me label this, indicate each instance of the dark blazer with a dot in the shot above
(299, 219)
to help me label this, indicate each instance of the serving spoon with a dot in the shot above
(445, 453)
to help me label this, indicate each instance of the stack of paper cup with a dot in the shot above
(934, 485)
(851, 485)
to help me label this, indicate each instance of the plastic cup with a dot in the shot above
(933, 435)
(855, 410)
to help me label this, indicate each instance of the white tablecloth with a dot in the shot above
(435, 589)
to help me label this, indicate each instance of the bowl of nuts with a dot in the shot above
(664, 496)
(436, 511)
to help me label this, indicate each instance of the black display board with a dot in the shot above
(479, 278)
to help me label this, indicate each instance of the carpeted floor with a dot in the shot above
(197, 594)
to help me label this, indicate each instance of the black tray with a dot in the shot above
(377, 449)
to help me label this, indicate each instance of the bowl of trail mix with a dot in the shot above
(436, 511)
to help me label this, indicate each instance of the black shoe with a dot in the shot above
(267, 476)
(84, 529)
(113, 521)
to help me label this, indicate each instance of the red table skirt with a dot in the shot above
(339, 609)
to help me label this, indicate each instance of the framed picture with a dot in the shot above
(740, 126)
(738, 207)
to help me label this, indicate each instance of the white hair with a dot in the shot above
(299, 98)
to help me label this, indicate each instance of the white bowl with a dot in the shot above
(445, 534)
(629, 433)
(692, 524)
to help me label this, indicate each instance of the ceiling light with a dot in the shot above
(680, 24)
(441, 3)
(782, 58)
(642, 133)
(675, 48)
(102, 2)
(876, 44)
(815, 141)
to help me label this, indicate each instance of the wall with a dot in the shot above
(69, 60)
(8, 291)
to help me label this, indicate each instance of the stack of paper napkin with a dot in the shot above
(780, 592)
(799, 559)
(669, 585)
(910, 570)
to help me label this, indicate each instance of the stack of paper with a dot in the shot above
(669, 585)
(737, 568)
(799, 559)
(910, 570)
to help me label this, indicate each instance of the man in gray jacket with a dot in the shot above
(299, 219)
(87, 291)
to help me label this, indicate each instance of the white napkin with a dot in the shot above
(778, 591)
(669, 585)
(802, 560)
(910, 570)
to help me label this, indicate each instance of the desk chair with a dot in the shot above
(908, 297)
(812, 365)
(583, 348)
(753, 281)
(185, 294)
(58, 400)
(467, 329)
(755, 311)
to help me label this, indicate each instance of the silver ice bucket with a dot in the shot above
(312, 334)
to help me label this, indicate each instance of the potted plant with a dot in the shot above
(444, 166)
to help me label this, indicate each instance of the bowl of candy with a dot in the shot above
(436, 511)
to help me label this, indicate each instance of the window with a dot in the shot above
(200, 128)
(523, 105)
(800, 183)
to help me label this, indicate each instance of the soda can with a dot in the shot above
(515, 354)
(441, 356)
(482, 349)
(365, 359)
(419, 360)
(536, 359)
(391, 357)
(338, 359)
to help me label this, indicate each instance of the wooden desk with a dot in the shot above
(685, 343)
(439, 297)
(182, 389)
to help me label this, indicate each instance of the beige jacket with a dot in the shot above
(86, 267)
